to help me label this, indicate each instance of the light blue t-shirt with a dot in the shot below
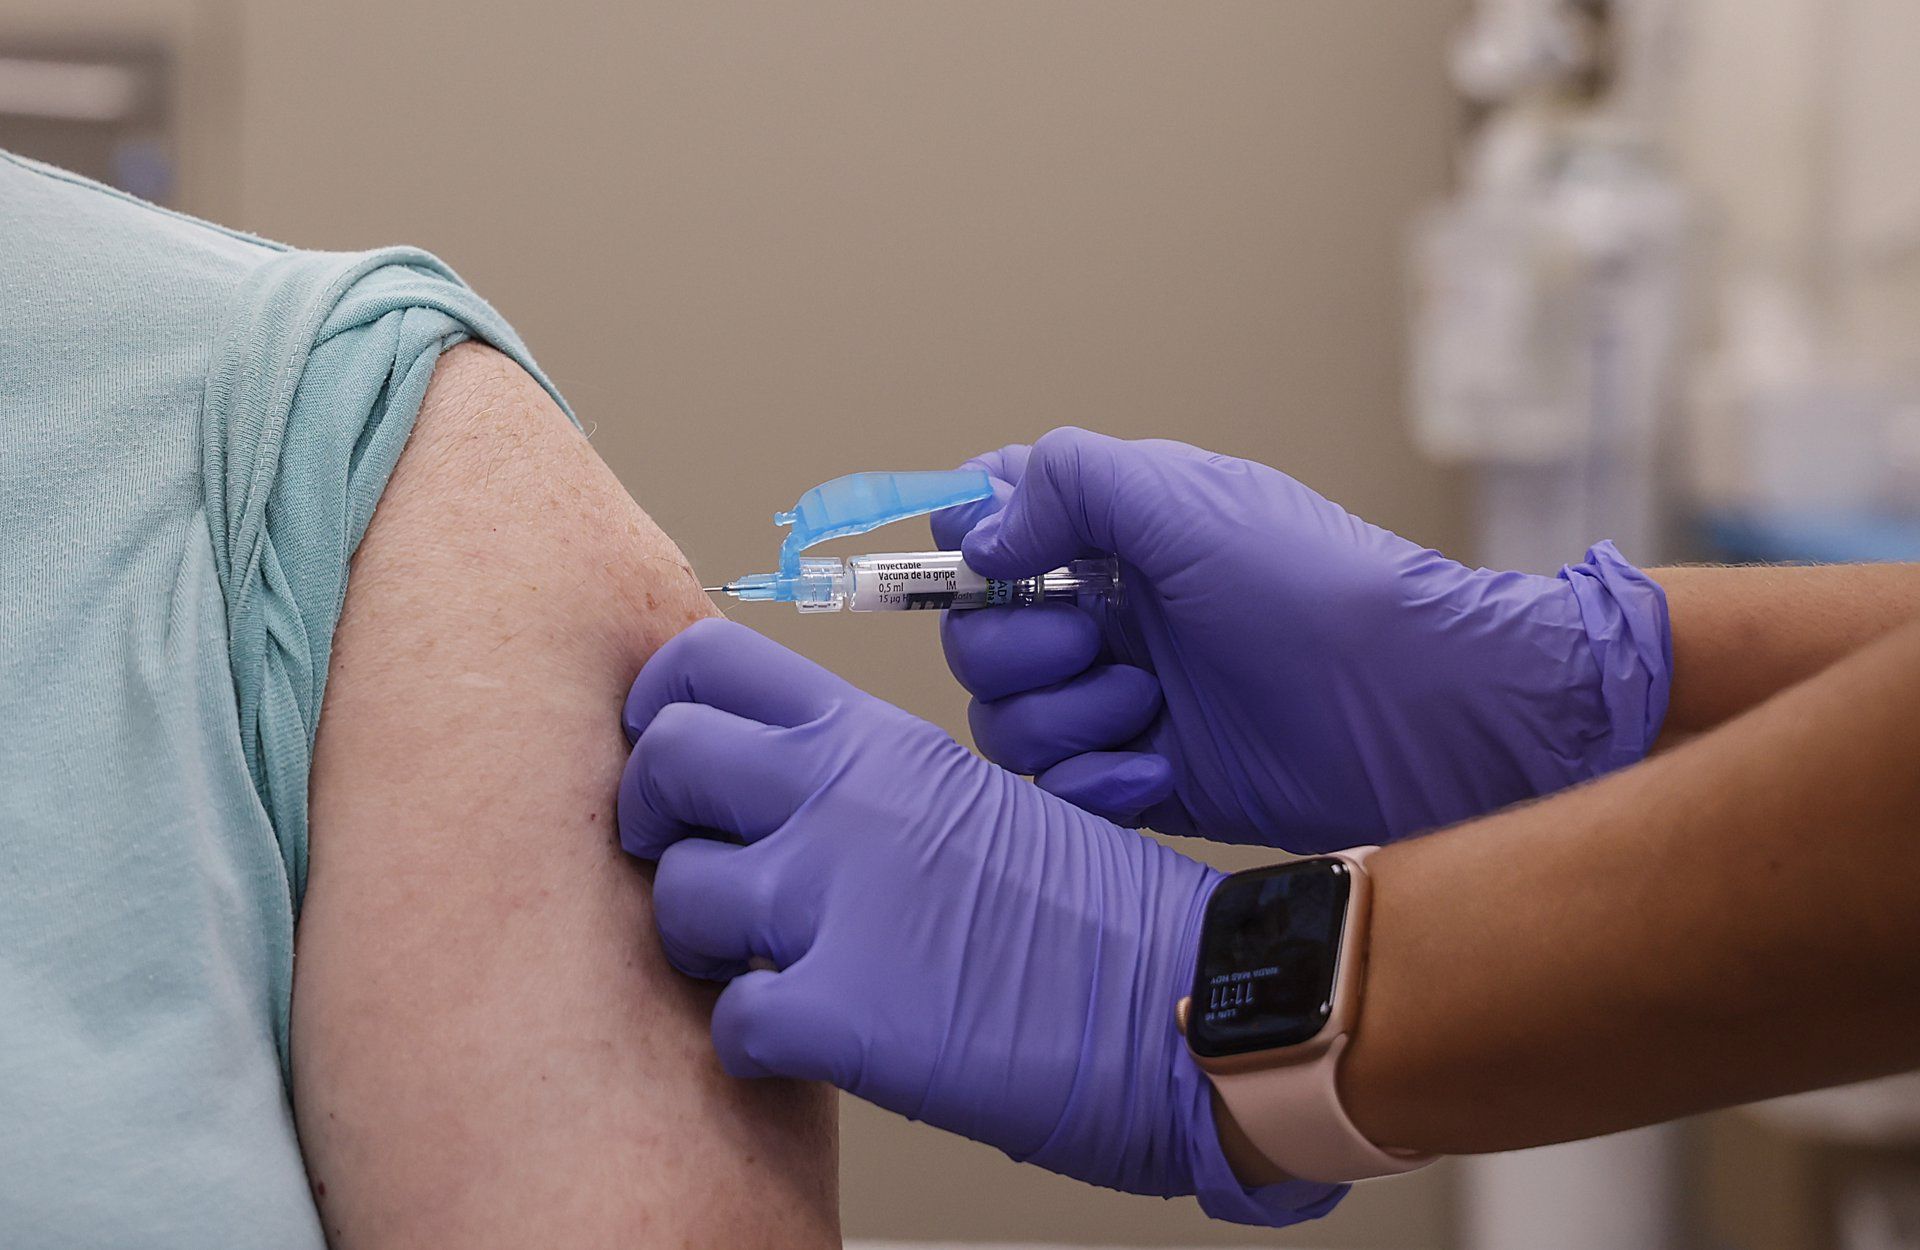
(195, 427)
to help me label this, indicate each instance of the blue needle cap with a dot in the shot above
(855, 504)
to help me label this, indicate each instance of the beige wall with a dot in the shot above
(763, 244)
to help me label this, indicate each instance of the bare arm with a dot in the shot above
(1735, 919)
(489, 1048)
(1743, 634)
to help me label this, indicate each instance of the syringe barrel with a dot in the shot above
(904, 581)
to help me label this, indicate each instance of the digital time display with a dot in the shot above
(1269, 954)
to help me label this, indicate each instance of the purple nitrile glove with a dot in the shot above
(948, 941)
(1280, 671)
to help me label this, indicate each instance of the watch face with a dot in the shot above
(1269, 953)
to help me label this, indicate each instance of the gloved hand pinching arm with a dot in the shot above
(1280, 671)
(943, 939)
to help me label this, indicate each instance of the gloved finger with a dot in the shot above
(1065, 504)
(718, 906)
(1008, 463)
(1083, 492)
(778, 1024)
(736, 670)
(1170, 815)
(1119, 785)
(995, 654)
(697, 768)
(1102, 708)
(950, 525)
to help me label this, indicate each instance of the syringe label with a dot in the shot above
(910, 585)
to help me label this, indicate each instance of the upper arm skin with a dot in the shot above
(488, 1046)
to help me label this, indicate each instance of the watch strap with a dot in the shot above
(1292, 1115)
(1291, 1112)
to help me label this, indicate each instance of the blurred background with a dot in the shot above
(1508, 276)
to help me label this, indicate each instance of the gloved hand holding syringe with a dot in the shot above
(897, 916)
(905, 580)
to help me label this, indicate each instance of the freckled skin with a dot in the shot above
(465, 931)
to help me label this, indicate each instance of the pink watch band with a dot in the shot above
(1291, 1112)
(1293, 1116)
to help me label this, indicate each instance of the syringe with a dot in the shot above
(905, 581)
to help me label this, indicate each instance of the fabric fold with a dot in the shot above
(324, 361)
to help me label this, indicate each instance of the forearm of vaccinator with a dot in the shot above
(1742, 634)
(1734, 919)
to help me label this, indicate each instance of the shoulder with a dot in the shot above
(503, 499)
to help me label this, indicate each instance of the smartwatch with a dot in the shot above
(1276, 995)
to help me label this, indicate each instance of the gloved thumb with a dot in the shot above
(951, 525)
(769, 1024)
(1064, 506)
